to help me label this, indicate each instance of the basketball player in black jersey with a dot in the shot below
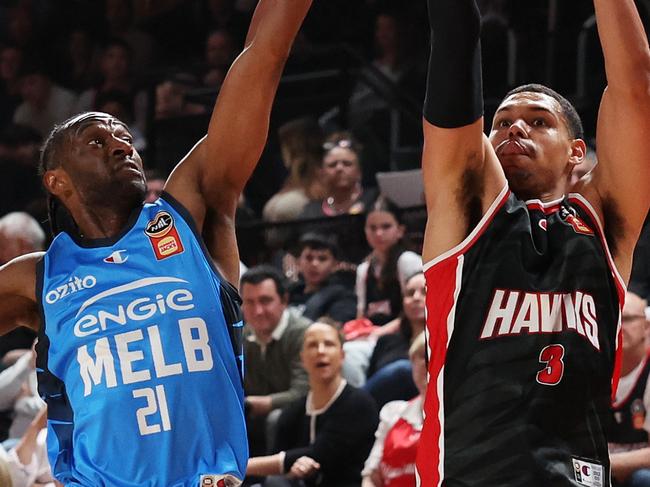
(524, 295)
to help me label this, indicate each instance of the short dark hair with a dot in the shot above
(256, 275)
(319, 241)
(569, 113)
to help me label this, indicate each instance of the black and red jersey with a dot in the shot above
(523, 321)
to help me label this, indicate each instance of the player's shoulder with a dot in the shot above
(18, 276)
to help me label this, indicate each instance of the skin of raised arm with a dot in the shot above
(621, 180)
(18, 293)
(210, 179)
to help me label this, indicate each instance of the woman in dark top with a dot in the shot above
(322, 439)
(389, 371)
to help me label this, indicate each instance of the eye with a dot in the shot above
(539, 122)
(503, 123)
(97, 141)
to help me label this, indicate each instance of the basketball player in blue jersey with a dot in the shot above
(525, 275)
(138, 355)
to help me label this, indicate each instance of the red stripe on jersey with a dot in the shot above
(582, 202)
(443, 283)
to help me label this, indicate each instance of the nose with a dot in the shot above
(518, 129)
(321, 348)
(120, 147)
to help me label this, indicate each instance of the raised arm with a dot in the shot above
(18, 293)
(209, 181)
(459, 165)
(622, 177)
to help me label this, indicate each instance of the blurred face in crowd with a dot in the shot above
(219, 49)
(634, 323)
(414, 298)
(386, 33)
(316, 265)
(340, 170)
(532, 141)
(115, 62)
(35, 89)
(10, 61)
(382, 230)
(322, 353)
(262, 306)
(154, 189)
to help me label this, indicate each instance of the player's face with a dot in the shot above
(316, 265)
(102, 163)
(262, 306)
(322, 352)
(382, 230)
(532, 142)
(634, 324)
(340, 170)
(414, 298)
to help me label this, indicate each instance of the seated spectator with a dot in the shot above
(27, 465)
(630, 426)
(116, 76)
(381, 277)
(301, 146)
(320, 290)
(220, 52)
(322, 439)
(11, 60)
(273, 335)
(44, 103)
(640, 277)
(389, 371)
(345, 201)
(391, 462)
(170, 97)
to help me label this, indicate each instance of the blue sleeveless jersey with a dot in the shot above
(139, 357)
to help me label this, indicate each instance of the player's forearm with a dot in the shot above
(266, 465)
(625, 463)
(274, 26)
(625, 45)
(454, 95)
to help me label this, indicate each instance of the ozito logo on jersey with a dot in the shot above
(74, 285)
(163, 236)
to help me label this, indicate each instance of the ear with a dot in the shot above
(56, 181)
(578, 152)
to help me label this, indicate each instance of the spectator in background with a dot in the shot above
(170, 97)
(220, 52)
(640, 277)
(301, 143)
(11, 60)
(628, 437)
(273, 337)
(78, 58)
(44, 103)
(382, 275)
(155, 186)
(121, 25)
(321, 291)
(116, 76)
(389, 371)
(391, 462)
(222, 15)
(324, 438)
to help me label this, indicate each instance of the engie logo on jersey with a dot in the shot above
(587, 473)
(163, 236)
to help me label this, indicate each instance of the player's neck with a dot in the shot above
(101, 222)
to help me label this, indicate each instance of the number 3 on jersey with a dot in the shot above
(551, 356)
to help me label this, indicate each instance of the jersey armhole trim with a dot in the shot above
(475, 233)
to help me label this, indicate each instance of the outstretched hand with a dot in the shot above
(303, 467)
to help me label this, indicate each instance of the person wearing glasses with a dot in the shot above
(629, 432)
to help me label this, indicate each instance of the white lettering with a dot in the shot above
(127, 357)
(497, 312)
(528, 316)
(162, 369)
(194, 347)
(591, 323)
(550, 315)
(92, 371)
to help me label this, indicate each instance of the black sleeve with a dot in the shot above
(454, 96)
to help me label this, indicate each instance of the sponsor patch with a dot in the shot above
(587, 473)
(218, 481)
(163, 236)
(117, 257)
